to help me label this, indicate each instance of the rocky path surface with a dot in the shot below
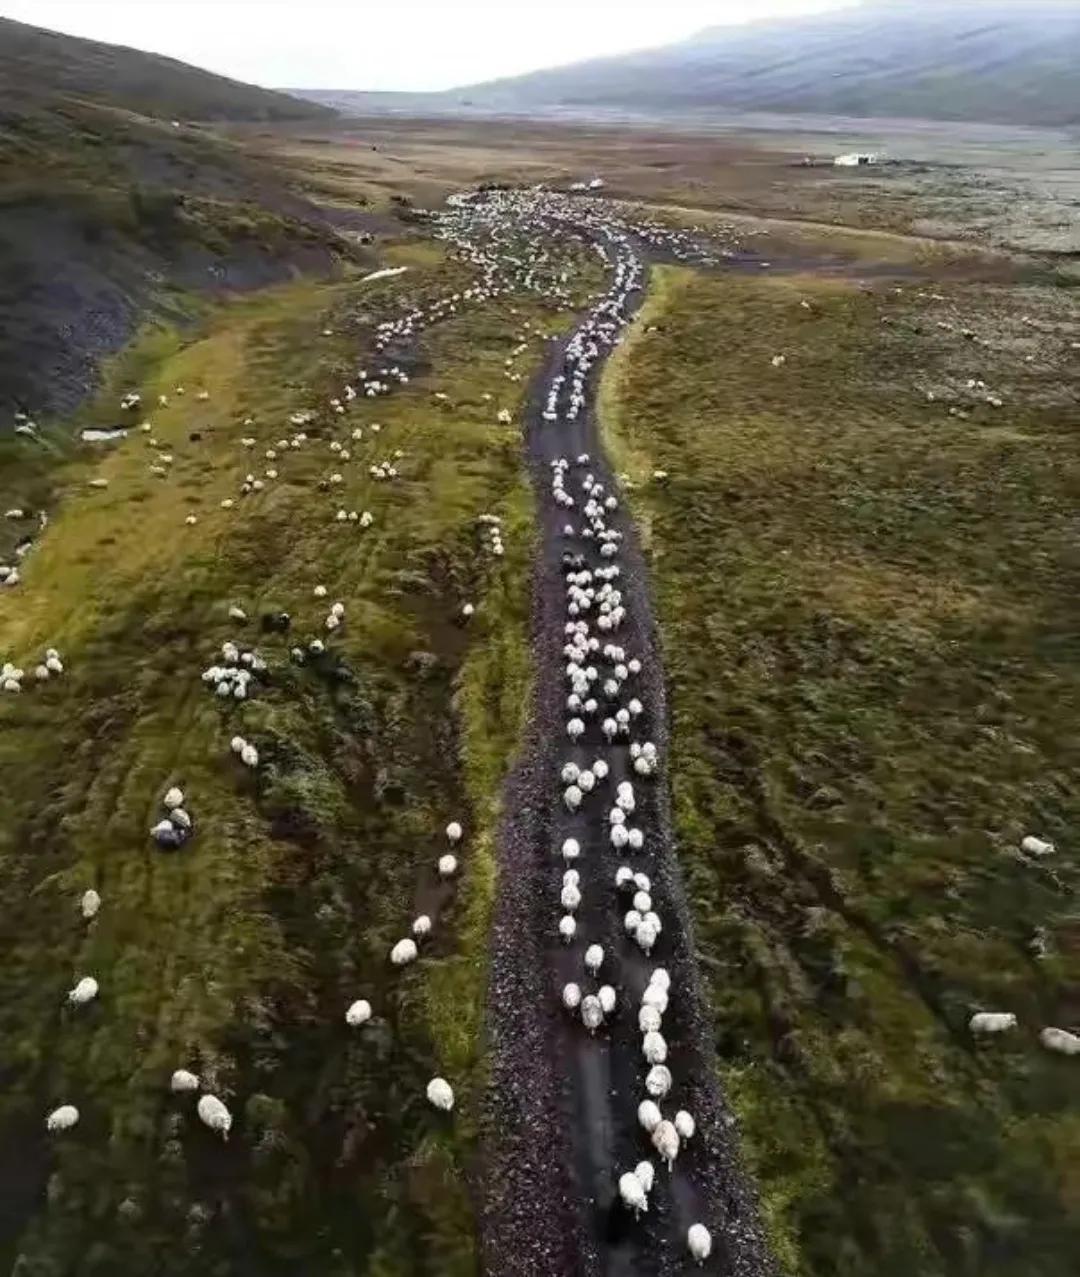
(563, 1108)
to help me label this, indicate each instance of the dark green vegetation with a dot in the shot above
(869, 618)
(34, 61)
(238, 956)
(1015, 64)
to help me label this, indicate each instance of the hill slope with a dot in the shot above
(108, 214)
(33, 60)
(949, 61)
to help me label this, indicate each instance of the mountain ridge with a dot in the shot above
(35, 61)
(953, 61)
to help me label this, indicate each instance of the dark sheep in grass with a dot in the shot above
(276, 622)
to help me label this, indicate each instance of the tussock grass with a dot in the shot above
(869, 628)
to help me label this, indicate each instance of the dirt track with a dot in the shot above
(563, 1104)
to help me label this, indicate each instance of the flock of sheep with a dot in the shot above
(508, 238)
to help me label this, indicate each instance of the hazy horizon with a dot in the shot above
(414, 45)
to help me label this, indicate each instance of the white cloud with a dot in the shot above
(389, 44)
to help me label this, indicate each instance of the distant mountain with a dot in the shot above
(34, 61)
(954, 60)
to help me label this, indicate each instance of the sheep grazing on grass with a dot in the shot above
(90, 903)
(182, 1081)
(63, 1118)
(447, 866)
(403, 953)
(1061, 1041)
(85, 991)
(1037, 846)
(176, 828)
(992, 1021)
(358, 1013)
(685, 1125)
(215, 1115)
(699, 1242)
(633, 1193)
(421, 926)
(453, 832)
(440, 1094)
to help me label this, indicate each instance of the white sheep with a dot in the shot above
(606, 997)
(182, 1081)
(358, 1013)
(90, 903)
(658, 1081)
(567, 927)
(685, 1125)
(85, 991)
(174, 797)
(655, 995)
(666, 1142)
(403, 953)
(421, 925)
(592, 1013)
(453, 832)
(1037, 846)
(648, 1115)
(571, 996)
(215, 1115)
(571, 849)
(447, 866)
(654, 1048)
(570, 897)
(649, 1019)
(632, 1192)
(440, 1094)
(63, 1118)
(594, 958)
(646, 1173)
(699, 1242)
(249, 756)
(1060, 1040)
(992, 1021)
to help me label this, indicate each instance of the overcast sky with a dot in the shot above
(390, 44)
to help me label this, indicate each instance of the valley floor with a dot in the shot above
(853, 473)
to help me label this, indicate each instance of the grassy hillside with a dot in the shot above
(106, 215)
(1012, 64)
(869, 621)
(237, 956)
(35, 61)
